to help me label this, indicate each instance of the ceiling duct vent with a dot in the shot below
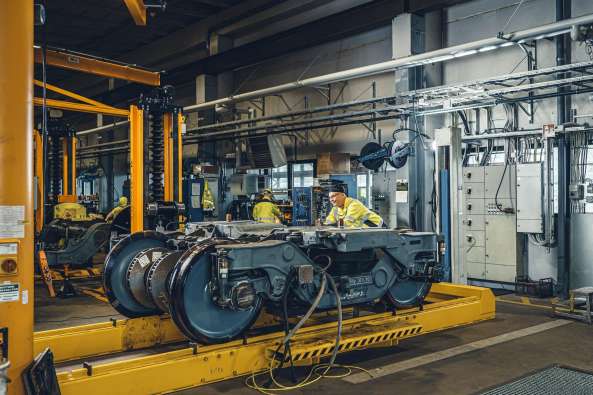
(263, 152)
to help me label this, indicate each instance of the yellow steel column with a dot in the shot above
(16, 184)
(168, 157)
(136, 169)
(65, 167)
(73, 168)
(179, 159)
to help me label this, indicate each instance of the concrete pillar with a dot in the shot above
(414, 34)
(408, 38)
(219, 43)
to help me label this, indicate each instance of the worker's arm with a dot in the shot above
(331, 218)
(360, 214)
(113, 213)
(255, 211)
(373, 220)
(277, 213)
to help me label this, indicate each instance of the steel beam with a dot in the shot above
(81, 107)
(107, 337)
(86, 64)
(137, 10)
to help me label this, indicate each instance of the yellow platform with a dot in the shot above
(447, 306)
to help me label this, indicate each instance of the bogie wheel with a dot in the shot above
(408, 293)
(191, 305)
(115, 273)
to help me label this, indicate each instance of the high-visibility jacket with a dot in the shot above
(355, 215)
(267, 212)
(113, 213)
(207, 198)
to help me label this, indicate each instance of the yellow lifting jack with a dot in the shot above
(192, 365)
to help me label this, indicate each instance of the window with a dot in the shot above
(364, 184)
(280, 178)
(302, 174)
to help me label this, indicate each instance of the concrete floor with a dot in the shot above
(468, 373)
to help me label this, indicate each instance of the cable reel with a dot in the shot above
(373, 155)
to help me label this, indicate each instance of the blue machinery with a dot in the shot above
(215, 281)
(312, 203)
(193, 193)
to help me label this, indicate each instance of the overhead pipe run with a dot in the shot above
(437, 56)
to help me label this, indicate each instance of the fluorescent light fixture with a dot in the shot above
(465, 53)
(559, 32)
(488, 48)
(441, 58)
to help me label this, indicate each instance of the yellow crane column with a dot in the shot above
(16, 185)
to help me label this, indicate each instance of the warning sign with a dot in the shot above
(12, 222)
(9, 292)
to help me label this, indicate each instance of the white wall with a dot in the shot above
(363, 49)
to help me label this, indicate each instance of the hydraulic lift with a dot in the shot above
(191, 365)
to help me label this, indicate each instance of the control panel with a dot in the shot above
(489, 221)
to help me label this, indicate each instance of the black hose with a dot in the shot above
(465, 123)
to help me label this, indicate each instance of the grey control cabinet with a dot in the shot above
(491, 247)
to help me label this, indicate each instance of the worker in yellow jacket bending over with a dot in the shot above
(265, 210)
(351, 211)
(122, 203)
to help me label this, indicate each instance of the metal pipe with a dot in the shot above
(16, 183)
(490, 136)
(291, 114)
(200, 139)
(306, 121)
(100, 145)
(101, 128)
(436, 56)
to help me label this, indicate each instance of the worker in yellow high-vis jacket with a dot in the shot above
(351, 211)
(123, 203)
(265, 210)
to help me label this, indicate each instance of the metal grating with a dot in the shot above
(556, 380)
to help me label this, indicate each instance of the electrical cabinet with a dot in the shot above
(490, 246)
(530, 218)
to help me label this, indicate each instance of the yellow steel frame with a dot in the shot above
(137, 168)
(448, 306)
(94, 66)
(87, 105)
(80, 107)
(16, 173)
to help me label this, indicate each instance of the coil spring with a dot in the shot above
(157, 148)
